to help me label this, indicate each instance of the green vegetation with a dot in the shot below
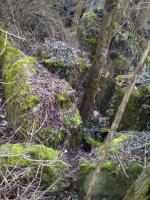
(116, 143)
(35, 156)
(66, 104)
(83, 66)
(23, 103)
(87, 167)
(21, 98)
(56, 101)
(91, 18)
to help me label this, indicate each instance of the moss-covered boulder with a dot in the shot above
(69, 63)
(37, 163)
(111, 184)
(124, 165)
(39, 104)
(137, 113)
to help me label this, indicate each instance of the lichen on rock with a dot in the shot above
(69, 63)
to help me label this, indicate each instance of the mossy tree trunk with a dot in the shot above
(141, 188)
(78, 12)
(105, 35)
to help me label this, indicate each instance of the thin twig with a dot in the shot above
(4, 48)
(11, 34)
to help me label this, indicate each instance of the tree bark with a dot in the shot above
(79, 8)
(140, 188)
(116, 122)
(105, 34)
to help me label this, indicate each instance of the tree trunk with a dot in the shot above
(139, 190)
(79, 8)
(105, 34)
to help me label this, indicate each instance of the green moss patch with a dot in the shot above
(86, 167)
(116, 143)
(36, 157)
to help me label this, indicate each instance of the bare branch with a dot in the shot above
(11, 34)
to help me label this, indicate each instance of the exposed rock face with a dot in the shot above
(69, 63)
(38, 103)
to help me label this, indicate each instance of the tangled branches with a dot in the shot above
(34, 21)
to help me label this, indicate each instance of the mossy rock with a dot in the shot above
(119, 63)
(42, 162)
(121, 44)
(116, 144)
(136, 116)
(38, 102)
(97, 144)
(112, 182)
(88, 29)
(69, 63)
